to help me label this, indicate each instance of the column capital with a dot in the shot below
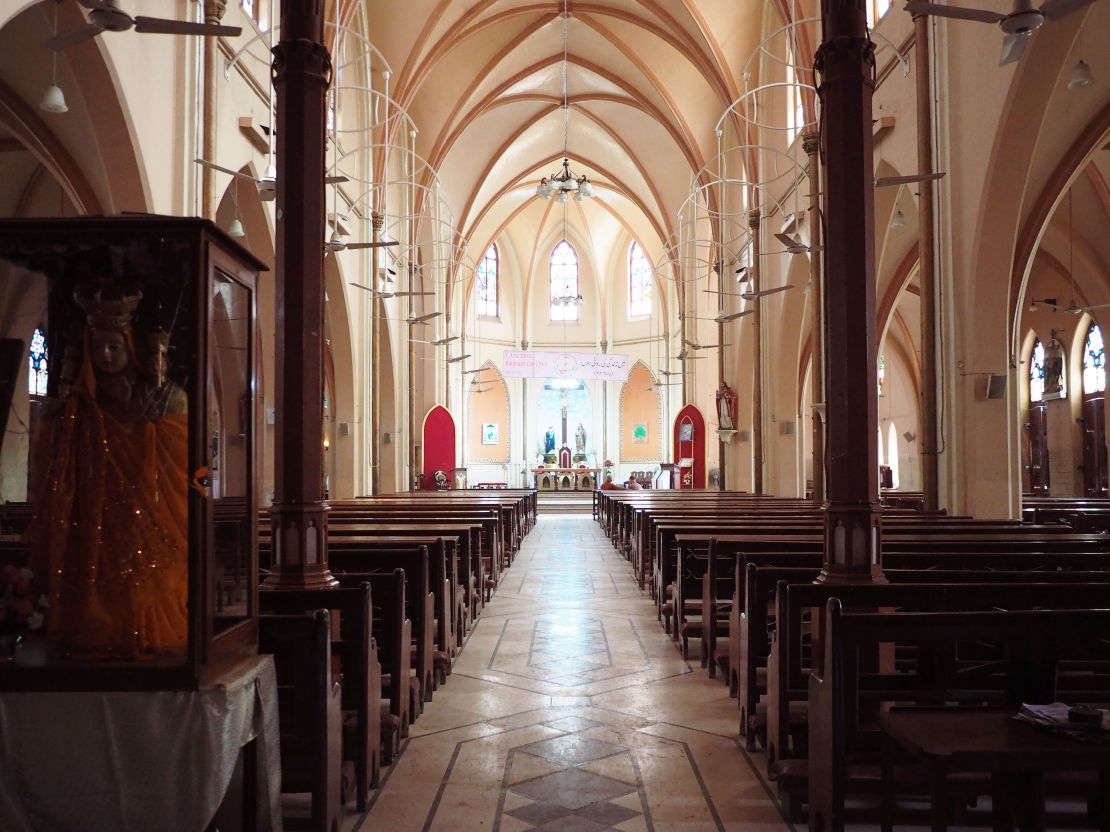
(377, 221)
(811, 142)
(214, 10)
(754, 218)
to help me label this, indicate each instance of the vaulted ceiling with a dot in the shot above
(647, 81)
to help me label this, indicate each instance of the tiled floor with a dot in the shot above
(569, 709)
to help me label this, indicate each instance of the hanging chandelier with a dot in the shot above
(563, 183)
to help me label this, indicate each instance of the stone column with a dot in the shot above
(213, 13)
(846, 63)
(926, 268)
(722, 446)
(377, 221)
(302, 70)
(811, 143)
(757, 355)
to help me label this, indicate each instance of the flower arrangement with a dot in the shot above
(22, 604)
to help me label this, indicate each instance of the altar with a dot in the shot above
(566, 479)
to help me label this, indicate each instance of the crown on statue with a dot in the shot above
(107, 304)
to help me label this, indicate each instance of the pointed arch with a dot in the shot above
(488, 404)
(641, 417)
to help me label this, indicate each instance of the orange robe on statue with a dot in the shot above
(111, 529)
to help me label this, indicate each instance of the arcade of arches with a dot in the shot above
(687, 256)
(476, 93)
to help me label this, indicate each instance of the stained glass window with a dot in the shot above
(1036, 372)
(564, 283)
(639, 282)
(882, 372)
(486, 275)
(39, 369)
(1094, 362)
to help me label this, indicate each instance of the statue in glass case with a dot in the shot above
(111, 527)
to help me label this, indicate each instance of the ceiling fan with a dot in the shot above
(694, 345)
(750, 295)
(795, 246)
(472, 372)
(422, 319)
(724, 319)
(1018, 26)
(458, 358)
(267, 184)
(1072, 309)
(685, 356)
(891, 181)
(107, 16)
(388, 295)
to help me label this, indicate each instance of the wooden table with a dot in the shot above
(1017, 755)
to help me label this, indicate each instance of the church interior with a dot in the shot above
(578, 414)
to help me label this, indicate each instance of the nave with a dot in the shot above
(570, 709)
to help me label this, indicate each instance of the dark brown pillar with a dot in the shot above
(926, 268)
(302, 70)
(757, 355)
(811, 143)
(846, 62)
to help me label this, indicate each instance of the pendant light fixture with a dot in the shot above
(563, 183)
(54, 100)
(236, 228)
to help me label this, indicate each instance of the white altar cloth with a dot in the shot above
(136, 761)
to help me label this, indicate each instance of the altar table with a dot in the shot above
(566, 479)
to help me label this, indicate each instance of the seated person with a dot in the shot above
(633, 485)
(609, 485)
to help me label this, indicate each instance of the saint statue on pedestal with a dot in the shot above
(549, 441)
(726, 408)
(580, 439)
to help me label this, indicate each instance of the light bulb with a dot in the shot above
(54, 100)
(585, 188)
(236, 229)
(1080, 76)
(898, 220)
(561, 196)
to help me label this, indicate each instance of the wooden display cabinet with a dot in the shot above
(137, 452)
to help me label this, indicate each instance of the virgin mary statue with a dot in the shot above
(111, 515)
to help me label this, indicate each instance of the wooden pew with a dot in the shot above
(309, 710)
(846, 688)
(393, 634)
(419, 601)
(359, 670)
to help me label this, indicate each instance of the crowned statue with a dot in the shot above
(549, 441)
(111, 510)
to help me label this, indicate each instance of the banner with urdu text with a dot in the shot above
(588, 366)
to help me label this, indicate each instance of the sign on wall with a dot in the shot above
(588, 366)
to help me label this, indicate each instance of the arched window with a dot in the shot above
(876, 10)
(487, 289)
(564, 283)
(882, 372)
(1036, 372)
(39, 364)
(639, 282)
(892, 453)
(1094, 362)
(795, 107)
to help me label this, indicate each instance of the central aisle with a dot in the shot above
(570, 709)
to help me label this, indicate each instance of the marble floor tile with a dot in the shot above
(570, 709)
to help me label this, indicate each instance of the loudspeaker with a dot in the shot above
(786, 428)
(745, 436)
(996, 386)
(344, 428)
